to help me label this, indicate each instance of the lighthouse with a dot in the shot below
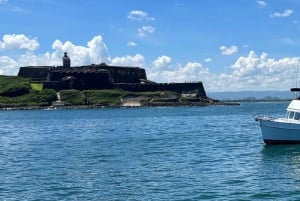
(66, 61)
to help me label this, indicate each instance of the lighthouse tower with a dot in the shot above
(66, 61)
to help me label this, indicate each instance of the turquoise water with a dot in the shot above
(185, 153)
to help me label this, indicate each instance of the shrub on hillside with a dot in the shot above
(15, 91)
(44, 97)
(72, 97)
(103, 97)
(12, 86)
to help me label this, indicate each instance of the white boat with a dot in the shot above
(284, 130)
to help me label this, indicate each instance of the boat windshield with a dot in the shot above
(293, 115)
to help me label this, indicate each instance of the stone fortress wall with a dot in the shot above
(102, 76)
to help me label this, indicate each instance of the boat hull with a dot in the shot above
(279, 132)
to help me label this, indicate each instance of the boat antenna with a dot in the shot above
(296, 91)
(297, 62)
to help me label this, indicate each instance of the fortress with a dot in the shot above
(102, 76)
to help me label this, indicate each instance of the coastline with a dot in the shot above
(107, 106)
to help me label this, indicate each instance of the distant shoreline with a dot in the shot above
(190, 104)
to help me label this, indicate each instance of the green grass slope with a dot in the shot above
(16, 92)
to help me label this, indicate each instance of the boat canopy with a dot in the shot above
(295, 89)
(294, 106)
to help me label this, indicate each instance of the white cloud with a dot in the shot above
(207, 60)
(18, 42)
(229, 50)
(137, 60)
(189, 72)
(97, 49)
(143, 31)
(286, 13)
(261, 3)
(260, 73)
(30, 59)
(131, 44)
(162, 62)
(250, 72)
(95, 52)
(139, 15)
(8, 66)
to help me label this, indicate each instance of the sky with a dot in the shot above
(246, 45)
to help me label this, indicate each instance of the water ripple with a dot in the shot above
(188, 153)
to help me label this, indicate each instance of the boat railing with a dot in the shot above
(263, 117)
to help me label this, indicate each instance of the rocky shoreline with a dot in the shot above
(155, 104)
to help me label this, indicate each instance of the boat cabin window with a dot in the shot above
(293, 115)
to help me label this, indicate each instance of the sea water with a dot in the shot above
(171, 153)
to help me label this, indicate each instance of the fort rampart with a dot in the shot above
(102, 76)
(195, 87)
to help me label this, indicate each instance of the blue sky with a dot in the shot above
(229, 45)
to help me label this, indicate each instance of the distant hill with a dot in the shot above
(251, 95)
